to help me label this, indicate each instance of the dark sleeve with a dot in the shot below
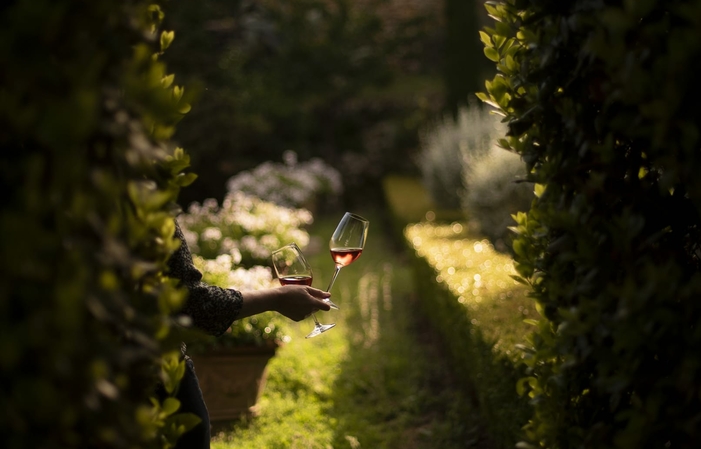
(212, 309)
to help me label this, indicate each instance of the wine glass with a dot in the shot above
(347, 242)
(292, 268)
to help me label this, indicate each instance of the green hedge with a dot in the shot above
(87, 179)
(598, 99)
(466, 292)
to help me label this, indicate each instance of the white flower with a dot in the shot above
(224, 261)
(211, 234)
(235, 256)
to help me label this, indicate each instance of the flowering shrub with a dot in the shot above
(244, 227)
(289, 184)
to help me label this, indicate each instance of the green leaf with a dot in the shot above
(491, 54)
(539, 189)
(482, 96)
(519, 247)
(503, 143)
(167, 81)
(521, 384)
(170, 406)
(183, 422)
(166, 39)
(486, 40)
(498, 41)
(178, 92)
(518, 279)
(492, 12)
(185, 179)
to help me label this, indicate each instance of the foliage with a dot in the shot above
(291, 184)
(596, 96)
(493, 194)
(244, 227)
(450, 147)
(88, 179)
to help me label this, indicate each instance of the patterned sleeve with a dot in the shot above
(212, 309)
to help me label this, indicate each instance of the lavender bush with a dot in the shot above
(450, 147)
(493, 193)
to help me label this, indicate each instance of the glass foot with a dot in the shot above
(319, 329)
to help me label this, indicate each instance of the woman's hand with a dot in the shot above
(296, 302)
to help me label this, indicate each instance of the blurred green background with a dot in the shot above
(351, 82)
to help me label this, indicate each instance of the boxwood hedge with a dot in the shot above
(87, 179)
(598, 98)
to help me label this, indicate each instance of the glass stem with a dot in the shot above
(333, 278)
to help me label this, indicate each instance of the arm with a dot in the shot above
(296, 302)
(213, 309)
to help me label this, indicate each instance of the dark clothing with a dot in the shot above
(212, 310)
(191, 401)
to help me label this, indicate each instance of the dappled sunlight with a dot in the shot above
(479, 277)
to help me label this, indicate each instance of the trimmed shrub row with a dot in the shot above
(598, 99)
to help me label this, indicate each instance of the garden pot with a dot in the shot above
(232, 379)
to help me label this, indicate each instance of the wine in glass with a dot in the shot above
(292, 268)
(347, 242)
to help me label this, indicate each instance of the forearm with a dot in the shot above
(293, 301)
(259, 301)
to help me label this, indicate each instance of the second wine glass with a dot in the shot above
(347, 242)
(292, 268)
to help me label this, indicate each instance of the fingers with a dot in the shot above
(299, 302)
(315, 292)
(320, 296)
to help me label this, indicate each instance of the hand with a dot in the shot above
(297, 302)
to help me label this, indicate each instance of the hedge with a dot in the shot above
(598, 99)
(88, 180)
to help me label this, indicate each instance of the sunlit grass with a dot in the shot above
(480, 278)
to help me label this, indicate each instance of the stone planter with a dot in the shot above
(232, 379)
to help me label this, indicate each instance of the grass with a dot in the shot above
(480, 278)
(379, 379)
